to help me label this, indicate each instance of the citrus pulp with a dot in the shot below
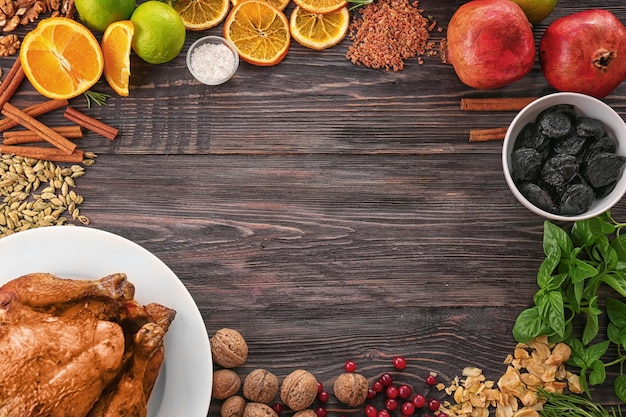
(319, 31)
(536, 10)
(159, 32)
(202, 14)
(61, 58)
(116, 46)
(280, 4)
(98, 14)
(259, 31)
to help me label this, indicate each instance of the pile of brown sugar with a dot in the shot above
(388, 33)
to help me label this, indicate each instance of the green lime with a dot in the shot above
(98, 14)
(159, 32)
(536, 10)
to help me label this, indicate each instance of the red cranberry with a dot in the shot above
(320, 412)
(391, 404)
(371, 411)
(404, 392)
(434, 404)
(350, 366)
(277, 407)
(320, 387)
(386, 379)
(377, 386)
(392, 392)
(399, 363)
(419, 401)
(383, 413)
(371, 394)
(431, 380)
(323, 396)
(408, 408)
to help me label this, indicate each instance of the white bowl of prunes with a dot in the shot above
(564, 156)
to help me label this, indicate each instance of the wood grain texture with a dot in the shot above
(325, 210)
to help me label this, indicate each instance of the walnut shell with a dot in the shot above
(233, 406)
(259, 410)
(226, 383)
(228, 348)
(299, 390)
(305, 413)
(260, 386)
(351, 388)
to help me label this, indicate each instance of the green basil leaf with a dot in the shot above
(581, 233)
(613, 333)
(592, 327)
(529, 325)
(619, 245)
(597, 374)
(616, 280)
(556, 241)
(621, 265)
(620, 387)
(547, 267)
(616, 310)
(580, 270)
(594, 352)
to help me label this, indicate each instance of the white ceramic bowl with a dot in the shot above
(586, 106)
(205, 60)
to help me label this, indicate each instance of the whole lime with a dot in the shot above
(98, 14)
(159, 32)
(536, 10)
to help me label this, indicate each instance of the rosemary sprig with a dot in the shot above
(358, 3)
(571, 405)
(96, 97)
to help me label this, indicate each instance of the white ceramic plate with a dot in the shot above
(184, 385)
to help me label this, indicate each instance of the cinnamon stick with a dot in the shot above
(90, 123)
(17, 137)
(495, 104)
(34, 111)
(12, 82)
(46, 154)
(483, 135)
(39, 128)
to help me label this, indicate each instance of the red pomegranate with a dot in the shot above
(490, 43)
(584, 52)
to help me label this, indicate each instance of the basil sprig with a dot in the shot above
(577, 264)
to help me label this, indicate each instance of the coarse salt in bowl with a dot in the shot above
(585, 106)
(212, 60)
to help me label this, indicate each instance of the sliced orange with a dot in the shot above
(259, 31)
(116, 47)
(280, 4)
(321, 6)
(61, 58)
(202, 14)
(319, 31)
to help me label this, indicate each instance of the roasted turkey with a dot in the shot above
(78, 348)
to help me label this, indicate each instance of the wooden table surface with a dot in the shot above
(325, 210)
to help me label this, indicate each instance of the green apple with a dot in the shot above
(536, 10)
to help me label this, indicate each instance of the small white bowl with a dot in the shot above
(209, 62)
(586, 106)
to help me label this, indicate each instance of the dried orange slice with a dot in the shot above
(259, 31)
(202, 14)
(61, 58)
(319, 31)
(321, 6)
(116, 47)
(280, 4)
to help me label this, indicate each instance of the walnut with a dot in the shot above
(226, 383)
(351, 389)
(260, 386)
(299, 390)
(228, 348)
(233, 406)
(11, 24)
(9, 45)
(6, 8)
(32, 14)
(305, 413)
(258, 410)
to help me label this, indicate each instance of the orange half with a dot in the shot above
(259, 31)
(116, 47)
(61, 58)
(319, 31)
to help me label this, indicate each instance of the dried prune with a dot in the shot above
(537, 196)
(559, 170)
(530, 137)
(604, 144)
(603, 168)
(576, 199)
(557, 121)
(526, 164)
(571, 145)
(589, 128)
